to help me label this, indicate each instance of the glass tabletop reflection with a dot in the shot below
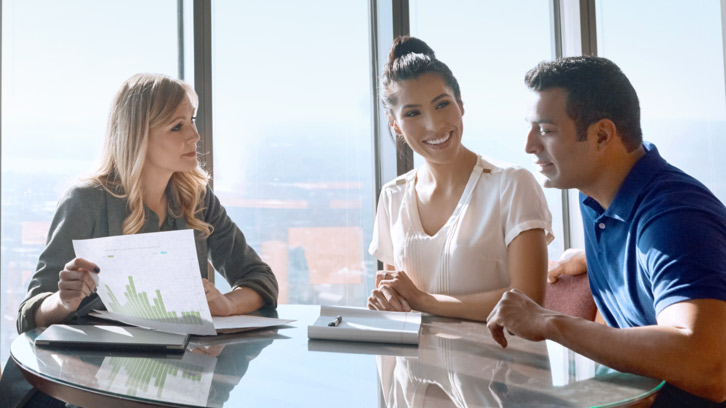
(456, 364)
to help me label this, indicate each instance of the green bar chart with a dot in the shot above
(145, 372)
(138, 304)
(185, 382)
(151, 280)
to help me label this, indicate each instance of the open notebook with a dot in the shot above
(358, 324)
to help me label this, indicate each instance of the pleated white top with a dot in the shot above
(469, 253)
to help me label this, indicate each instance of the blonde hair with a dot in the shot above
(146, 101)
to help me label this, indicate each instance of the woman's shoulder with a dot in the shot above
(209, 197)
(209, 205)
(398, 185)
(82, 202)
(87, 192)
(507, 171)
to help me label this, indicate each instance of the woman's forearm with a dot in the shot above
(244, 300)
(51, 311)
(475, 306)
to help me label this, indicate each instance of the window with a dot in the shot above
(59, 76)
(673, 55)
(489, 47)
(292, 141)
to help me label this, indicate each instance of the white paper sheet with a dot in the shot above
(151, 280)
(232, 324)
(223, 324)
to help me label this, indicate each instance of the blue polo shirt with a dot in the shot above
(661, 241)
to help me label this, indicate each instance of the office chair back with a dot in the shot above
(571, 295)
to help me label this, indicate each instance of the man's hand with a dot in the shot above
(572, 262)
(520, 316)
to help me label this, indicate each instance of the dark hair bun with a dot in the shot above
(410, 58)
(405, 45)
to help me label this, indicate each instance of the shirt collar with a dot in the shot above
(635, 182)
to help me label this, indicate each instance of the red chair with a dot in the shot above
(571, 295)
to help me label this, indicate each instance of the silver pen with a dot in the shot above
(336, 322)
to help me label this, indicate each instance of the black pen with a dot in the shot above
(336, 322)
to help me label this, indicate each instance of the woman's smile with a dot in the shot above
(439, 141)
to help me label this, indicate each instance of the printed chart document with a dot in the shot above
(358, 324)
(152, 280)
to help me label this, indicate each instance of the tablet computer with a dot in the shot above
(99, 337)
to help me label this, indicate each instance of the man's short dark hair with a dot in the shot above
(596, 89)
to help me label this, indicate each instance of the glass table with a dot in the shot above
(456, 364)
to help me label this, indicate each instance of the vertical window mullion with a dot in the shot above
(180, 37)
(382, 32)
(557, 51)
(203, 87)
(203, 79)
(400, 10)
(574, 22)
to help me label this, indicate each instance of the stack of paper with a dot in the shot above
(358, 324)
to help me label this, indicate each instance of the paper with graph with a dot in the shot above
(151, 280)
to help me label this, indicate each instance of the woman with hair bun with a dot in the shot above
(459, 231)
(149, 180)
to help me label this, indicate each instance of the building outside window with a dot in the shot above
(59, 76)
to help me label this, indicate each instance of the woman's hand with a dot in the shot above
(219, 305)
(395, 291)
(76, 281)
(386, 298)
(572, 262)
(210, 351)
(404, 286)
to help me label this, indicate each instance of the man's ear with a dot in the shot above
(604, 131)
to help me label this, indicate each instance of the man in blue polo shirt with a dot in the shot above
(655, 239)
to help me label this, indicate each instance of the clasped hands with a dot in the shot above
(394, 292)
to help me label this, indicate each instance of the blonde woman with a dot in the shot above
(149, 180)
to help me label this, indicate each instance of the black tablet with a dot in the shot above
(112, 338)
